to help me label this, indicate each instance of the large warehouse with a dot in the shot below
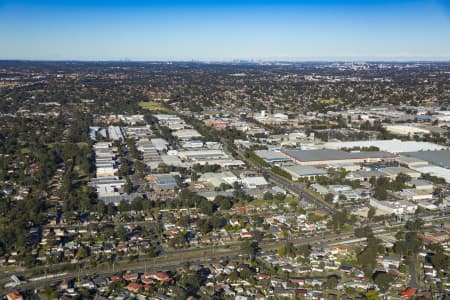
(392, 146)
(328, 157)
(272, 157)
(439, 158)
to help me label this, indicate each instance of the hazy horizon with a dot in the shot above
(176, 30)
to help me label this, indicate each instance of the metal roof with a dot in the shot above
(330, 154)
(440, 158)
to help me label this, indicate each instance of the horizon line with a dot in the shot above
(236, 60)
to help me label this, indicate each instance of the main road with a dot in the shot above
(292, 187)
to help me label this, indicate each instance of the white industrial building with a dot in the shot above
(308, 172)
(331, 156)
(407, 130)
(160, 144)
(149, 153)
(272, 157)
(216, 179)
(105, 163)
(393, 172)
(253, 181)
(186, 134)
(410, 161)
(399, 207)
(116, 133)
(416, 194)
(132, 119)
(391, 146)
(435, 171)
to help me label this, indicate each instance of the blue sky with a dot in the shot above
(225, 30)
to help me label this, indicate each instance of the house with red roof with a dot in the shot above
(147, 281)
(408, 293)
(14, 296)
(160, 276)
(116, 279)
(134, 287)
(131, 276)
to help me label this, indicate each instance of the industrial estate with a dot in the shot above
(243, 180)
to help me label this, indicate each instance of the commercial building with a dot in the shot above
(349, 167)
(421, 184)
(192, 145)
(253, 181)
(186, 134)
(272, 157)
(410, 161)
(400, 207)
(329, 156)
(393, 172)
(407, 130)
(217, 179)
(132, 119)
(435, 171)
(139, 132)
(208, 156)
(307, 172)
(161, 181)
(116, 133)
(416, 194)
(439, 158)
(107, 186)
(149, 153)
(105, 162)
(391, 146)
(160, 144)
(364, 175)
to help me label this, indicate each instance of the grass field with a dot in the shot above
(330, 101)
(152, 106)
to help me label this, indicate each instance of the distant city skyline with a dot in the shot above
(177, 30)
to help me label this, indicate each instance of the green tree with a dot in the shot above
(383, 281)
(250, 248)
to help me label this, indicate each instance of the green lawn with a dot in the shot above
(153, 106)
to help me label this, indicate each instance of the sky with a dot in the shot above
(300, 30)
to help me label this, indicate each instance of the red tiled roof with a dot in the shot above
(14, 296)
(130, 276)
(147, 281)
(134, 287)
(116, 279)
(161, 276)
(408, 293)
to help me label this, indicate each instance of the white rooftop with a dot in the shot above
(392, 146)
(435, 171)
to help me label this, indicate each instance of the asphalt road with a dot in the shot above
(292, 187)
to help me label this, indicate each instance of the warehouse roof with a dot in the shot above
(392, 146)
(435, 171)
(300, 171)
(330, 154)
(394, 171)
(272, 156)
(410, 160)
(440, 158)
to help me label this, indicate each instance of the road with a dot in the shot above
(292, 187)
(413, 273)
(299, 190)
